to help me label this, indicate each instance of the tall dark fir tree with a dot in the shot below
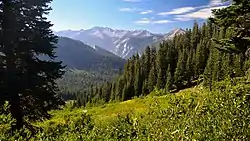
(27, 81)
(235, 18)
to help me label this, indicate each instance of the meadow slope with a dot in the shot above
(191, 114)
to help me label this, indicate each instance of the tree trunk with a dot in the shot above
(9, 45)
(16, 112)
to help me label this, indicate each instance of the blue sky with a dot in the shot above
(158, 16)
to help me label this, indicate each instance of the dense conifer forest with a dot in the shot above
(188, 60)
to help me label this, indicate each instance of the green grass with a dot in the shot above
(191, 114)
(110, 111)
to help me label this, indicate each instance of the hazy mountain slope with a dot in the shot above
(78, 55)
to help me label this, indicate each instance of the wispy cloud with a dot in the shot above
(179, 18)
(161, 22)
(152, 21)
(200, 14)
(143, 21)
(146, 12)
(143, 12)
(215, 2)
(176, 11)
(132, 0)
(129, 9)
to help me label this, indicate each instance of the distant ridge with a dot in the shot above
(77, 55)
(123, 43)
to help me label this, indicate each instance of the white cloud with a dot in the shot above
(178, 11)
(146, 12)
(161, 22)
(182, 19)
(132, 0)
(215, 2)
(204, 11)
(129, 9)
(200, 14)
(151, 21)
(143, 21)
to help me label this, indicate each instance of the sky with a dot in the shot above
(157, 16)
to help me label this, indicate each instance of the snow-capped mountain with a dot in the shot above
(123, 43)
(174, 32)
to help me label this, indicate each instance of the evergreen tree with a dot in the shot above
(119, 89)
(208, 73)
(161, 65)
(169, 81)
(28, 82)
(180, 71)
(125, 93)
(236, 18)
(113, 91)
(160, 79)
(200, 58)
(152, 79)
(145, 89)
(190, 67)
(217, 69)
(195, 38)
(147, 61)
(138, 80)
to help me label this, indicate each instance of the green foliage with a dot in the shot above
(235, 18)
(28, 81)
(78, 81)
(192, 114)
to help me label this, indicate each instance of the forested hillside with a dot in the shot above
(76, 81)
(187, 60)
(85, 66)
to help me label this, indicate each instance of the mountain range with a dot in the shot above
(123, 43)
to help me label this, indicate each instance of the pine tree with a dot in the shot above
(161, 66)
(200, 58)
(217, 69)
(169, 81)
(113, 91)
(180, 71)
(195, 38)
(152, 79)
(119, 89)
(28, 81)
(147, 61)
(208, 73)
(125, 93)
(138, 80)
(209, 30)
(236, 18)
(160, 79)
(190, 67)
